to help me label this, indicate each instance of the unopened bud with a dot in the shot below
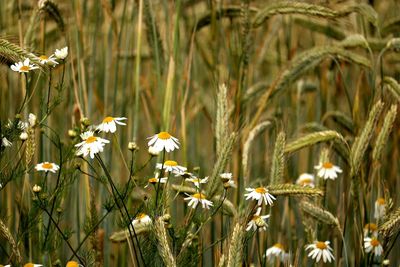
(153, 151)
(23, 136)
(36, 188)
(72, 133)
(132, 146)
(32, 120)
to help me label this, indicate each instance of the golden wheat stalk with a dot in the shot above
(312, 10)
(247, 146)
(392, 86)
(13, 53)
(293, 190)
(278, 160)
(355, 40)
(221, 125)
(391, 225)
(301, 64)
(220, 165)
(362, 141)
(383, 136)
(235, 252)
(314, 138)
(164, 248)
(319, 214)
(5, 232)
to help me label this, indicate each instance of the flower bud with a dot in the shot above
(153, 151)
(132, 146)
(72, 133)
(36, 188)
(32, 120)
(23, 136)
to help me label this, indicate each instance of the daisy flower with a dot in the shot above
(227, 180)
(90, 145)
(257, 221)
(380, 208)
(373, 245)
(327, 170)
(306, 179)
(229, 184)
(61, 53)
(277, 251)
(197, 181)
(45, 60)
(198, 198)
(156, 180)
(109, 124)
(30, 264)
(171, 166)
(259, 194)
(163, 140)
(23, 67)
(141, 219)
(370, 229)
(20, 125)
(225, 177)
(47, 167)
(320, 250)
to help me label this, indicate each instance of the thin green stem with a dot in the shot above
(58, 229)
(26, 94)
(48, 93)
(117, 195)
(158, 184)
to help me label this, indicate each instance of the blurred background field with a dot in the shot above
(292, 67)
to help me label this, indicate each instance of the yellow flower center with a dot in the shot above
(278, 245)
(152, 180)
(327, 165)
(255, 217)
(164, 135)
(29, 264)
(140, 216)
(321, 245)
(72, 264)
(47, 166)
(43, 57)
(371, 227)
(374, 242)
(91, 139)
(24, 68)
(199, 196)
(171, 163)
(108, 119)
(381, 201)
(261, 190)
